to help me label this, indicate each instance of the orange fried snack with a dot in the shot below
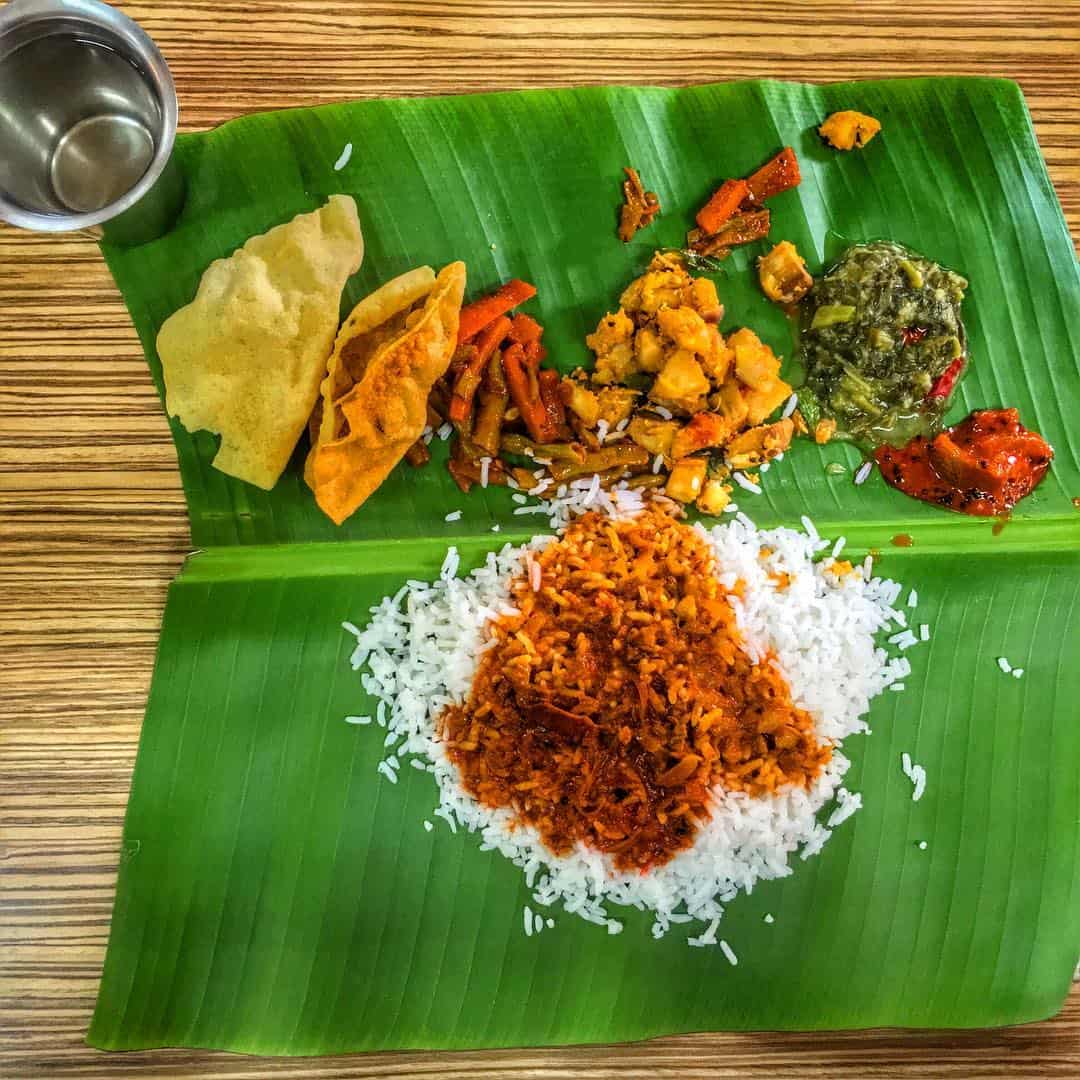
(387, 356)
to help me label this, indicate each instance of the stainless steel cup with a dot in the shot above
(87, 122)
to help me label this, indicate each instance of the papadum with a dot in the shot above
(245, 358)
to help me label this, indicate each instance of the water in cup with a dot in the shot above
(76, 125)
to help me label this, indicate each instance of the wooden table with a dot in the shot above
(93, 525)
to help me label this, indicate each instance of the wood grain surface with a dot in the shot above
(92, 519)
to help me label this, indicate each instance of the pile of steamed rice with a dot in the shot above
(420, 649)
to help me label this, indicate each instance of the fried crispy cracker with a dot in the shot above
(244, 359)
(389, 352)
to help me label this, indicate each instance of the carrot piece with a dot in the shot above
(776, 175)
(535, 353)
(524, 329)
(724, 202)
(483, 312)
(469, 376)
(524, 387)
(549, 381)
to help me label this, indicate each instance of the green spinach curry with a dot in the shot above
(882, 344)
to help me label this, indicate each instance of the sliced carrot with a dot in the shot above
(482, 312)
(535, 353)
(549, 381)
(524, 329)
(524, 387)
(776, 175)
(471, 372)
(724, 202)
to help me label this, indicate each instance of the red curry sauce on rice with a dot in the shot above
(620, 696)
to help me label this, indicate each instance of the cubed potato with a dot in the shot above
(729, 401)
(704, 300)
(616, 404)
(662, 285)
(649, 350)
(761, 403)
(615, 365)
(581, 401)
(759, 444)
(613, 343)
(755, 364)
(686, 479)
(718, 360)
(654, 435)
(686, 328)
(783, 275)
(715, 495)
(681, 384)
(611, 330)
(704, 430)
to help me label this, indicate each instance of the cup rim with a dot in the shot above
(96, 14)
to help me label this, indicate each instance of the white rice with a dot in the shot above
(445, 431)
(454, 515)
(1017, 672)
(790, 405)
(664, 414)
(916, 774)
(485, 467)
(846, 805)
(746, 483)
(769, 919)
(1004, 665)
(420, 649)
(863, 472)
(343, 160)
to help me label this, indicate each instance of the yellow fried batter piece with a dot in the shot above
(848, 129)
(388, 355)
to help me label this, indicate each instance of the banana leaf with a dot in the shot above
(275, 895)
